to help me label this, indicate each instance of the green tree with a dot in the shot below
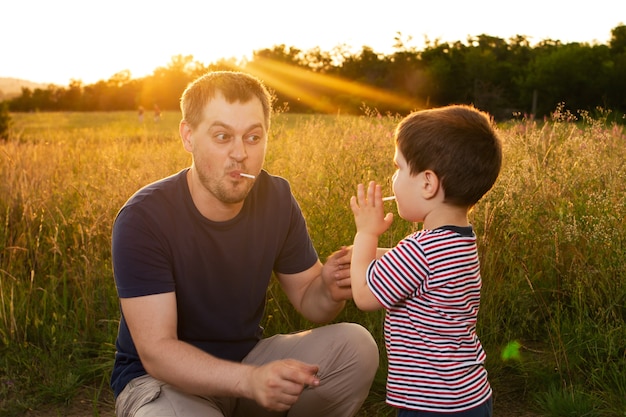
(574, 74)
(285, 71)
(166, 84)
(444, 65)
(72, 97)
(497, 75)
(618, 40)
(406, 72)
(5, 121)
(494, 67)
(484, 72)
(616, 95)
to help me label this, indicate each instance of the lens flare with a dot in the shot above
(320, 91)
(511, 351)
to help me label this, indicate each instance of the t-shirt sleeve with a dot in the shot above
(298, 253)
(141, 264)
(398, 274)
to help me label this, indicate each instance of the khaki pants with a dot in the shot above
(346, 354)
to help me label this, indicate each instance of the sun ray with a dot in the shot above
(317, 90)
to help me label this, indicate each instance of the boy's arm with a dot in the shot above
(363, 253)
(371, 222)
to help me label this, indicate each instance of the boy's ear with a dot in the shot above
(430, 184)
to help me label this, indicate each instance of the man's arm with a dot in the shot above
(320, 292)
(152, 322)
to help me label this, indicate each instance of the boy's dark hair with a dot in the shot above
(234, 86)
(459, 144)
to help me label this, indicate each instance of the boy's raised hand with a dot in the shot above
(369, 211)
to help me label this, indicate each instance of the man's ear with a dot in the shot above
(431, 185)
(185, 135)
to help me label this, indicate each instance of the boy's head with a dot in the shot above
(459, 144)
(234, 86)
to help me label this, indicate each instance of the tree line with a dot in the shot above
(504, 77)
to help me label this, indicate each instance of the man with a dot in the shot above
(193, 255)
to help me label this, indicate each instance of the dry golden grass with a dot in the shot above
(551, 233)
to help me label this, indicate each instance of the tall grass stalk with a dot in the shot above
(551, 235)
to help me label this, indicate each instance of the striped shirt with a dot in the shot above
(430, 286)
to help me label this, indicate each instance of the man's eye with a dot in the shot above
(222, 137)
(253, 138)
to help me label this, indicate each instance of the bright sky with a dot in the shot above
(55, 41)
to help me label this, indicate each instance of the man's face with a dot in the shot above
(231, 139)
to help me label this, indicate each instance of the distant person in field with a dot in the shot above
(429, 284)
(193, 255)
(157, 113)
(140, 114)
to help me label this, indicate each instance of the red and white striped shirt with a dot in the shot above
(430, 286)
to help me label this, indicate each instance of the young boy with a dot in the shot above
(429, 284)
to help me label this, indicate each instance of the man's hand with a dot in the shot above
(278, 385)
(336, 274)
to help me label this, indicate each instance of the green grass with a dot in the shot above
(551, 234)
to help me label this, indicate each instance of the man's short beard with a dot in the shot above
(221, 193)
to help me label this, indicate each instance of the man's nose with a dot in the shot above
(238, 151)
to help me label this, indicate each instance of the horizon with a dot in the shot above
(164, 64)
(145, 36)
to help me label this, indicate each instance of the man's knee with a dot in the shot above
(347, 371)
(360, 350)
(368, 349)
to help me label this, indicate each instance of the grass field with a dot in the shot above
(552, 238)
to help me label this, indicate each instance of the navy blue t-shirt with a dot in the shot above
(219, 271)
